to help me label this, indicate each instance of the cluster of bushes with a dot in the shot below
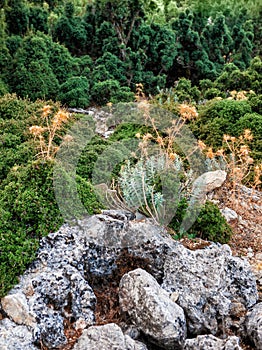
(96, 51)
(28, 207)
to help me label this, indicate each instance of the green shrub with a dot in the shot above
(3, 88)
(209, 225)
(110, 91)
(219, 117)
(75, 92)
(252, 121)
(211, 93)
(17, 252)
(29, 211)
(89, 157)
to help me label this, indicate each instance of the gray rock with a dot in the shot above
(254, 325)
(106, 337)
(55, 289)
(207, 182)
(59, 294)
(209, 342)
(14, 337)
(131, 344)
(151, 310)
(229, 214)
(50, 329)
(205, 282)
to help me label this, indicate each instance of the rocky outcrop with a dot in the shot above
(209, 286)
(254, 325)
(209, 342)
(107, 337)
(151, 309)
(207, 281)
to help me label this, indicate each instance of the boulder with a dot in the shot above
(254, 325)
(151, 310)
(207, 182)
(209, 284)
(107, 337)
(206, 282)
(209, 342)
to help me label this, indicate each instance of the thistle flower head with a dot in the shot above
(36, 130)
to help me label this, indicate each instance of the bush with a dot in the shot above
(75, 92)
(209, 225)
(110, 91)
(28, 207)
(29, 211)
(16, 115)
(252, 121)
(218, 117)
(3, 88)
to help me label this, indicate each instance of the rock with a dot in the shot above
(151, 310)
(209, 342)
(229, 214)
(107, 337)
(207, 182)
(13, 337)
(207, 282)
(254, 325)
(59, 294)
(50, 329)
(16, 307)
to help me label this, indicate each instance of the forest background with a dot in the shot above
(196, 54)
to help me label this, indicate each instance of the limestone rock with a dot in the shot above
(14, 337)
(254, 325)
(207, 182)
(50, 329)
(59, 294)
(209, 342)
(16, 307)
(151, 309)
(229, 214)
(207, 282)
(107, 337)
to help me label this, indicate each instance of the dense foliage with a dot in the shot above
(83, 50)
(78, 53)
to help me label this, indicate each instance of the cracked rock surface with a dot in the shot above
(183, 293)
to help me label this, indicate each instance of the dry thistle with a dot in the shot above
(187, 112)
(45, 134)
(235, 155)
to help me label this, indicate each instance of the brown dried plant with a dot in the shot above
(52, 126)
(165, 143)
(235, 155)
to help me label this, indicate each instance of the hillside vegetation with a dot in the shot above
(199, 60)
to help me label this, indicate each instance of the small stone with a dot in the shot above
(107, 337)
(16, 307)
(229, 214)
(14, 337)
